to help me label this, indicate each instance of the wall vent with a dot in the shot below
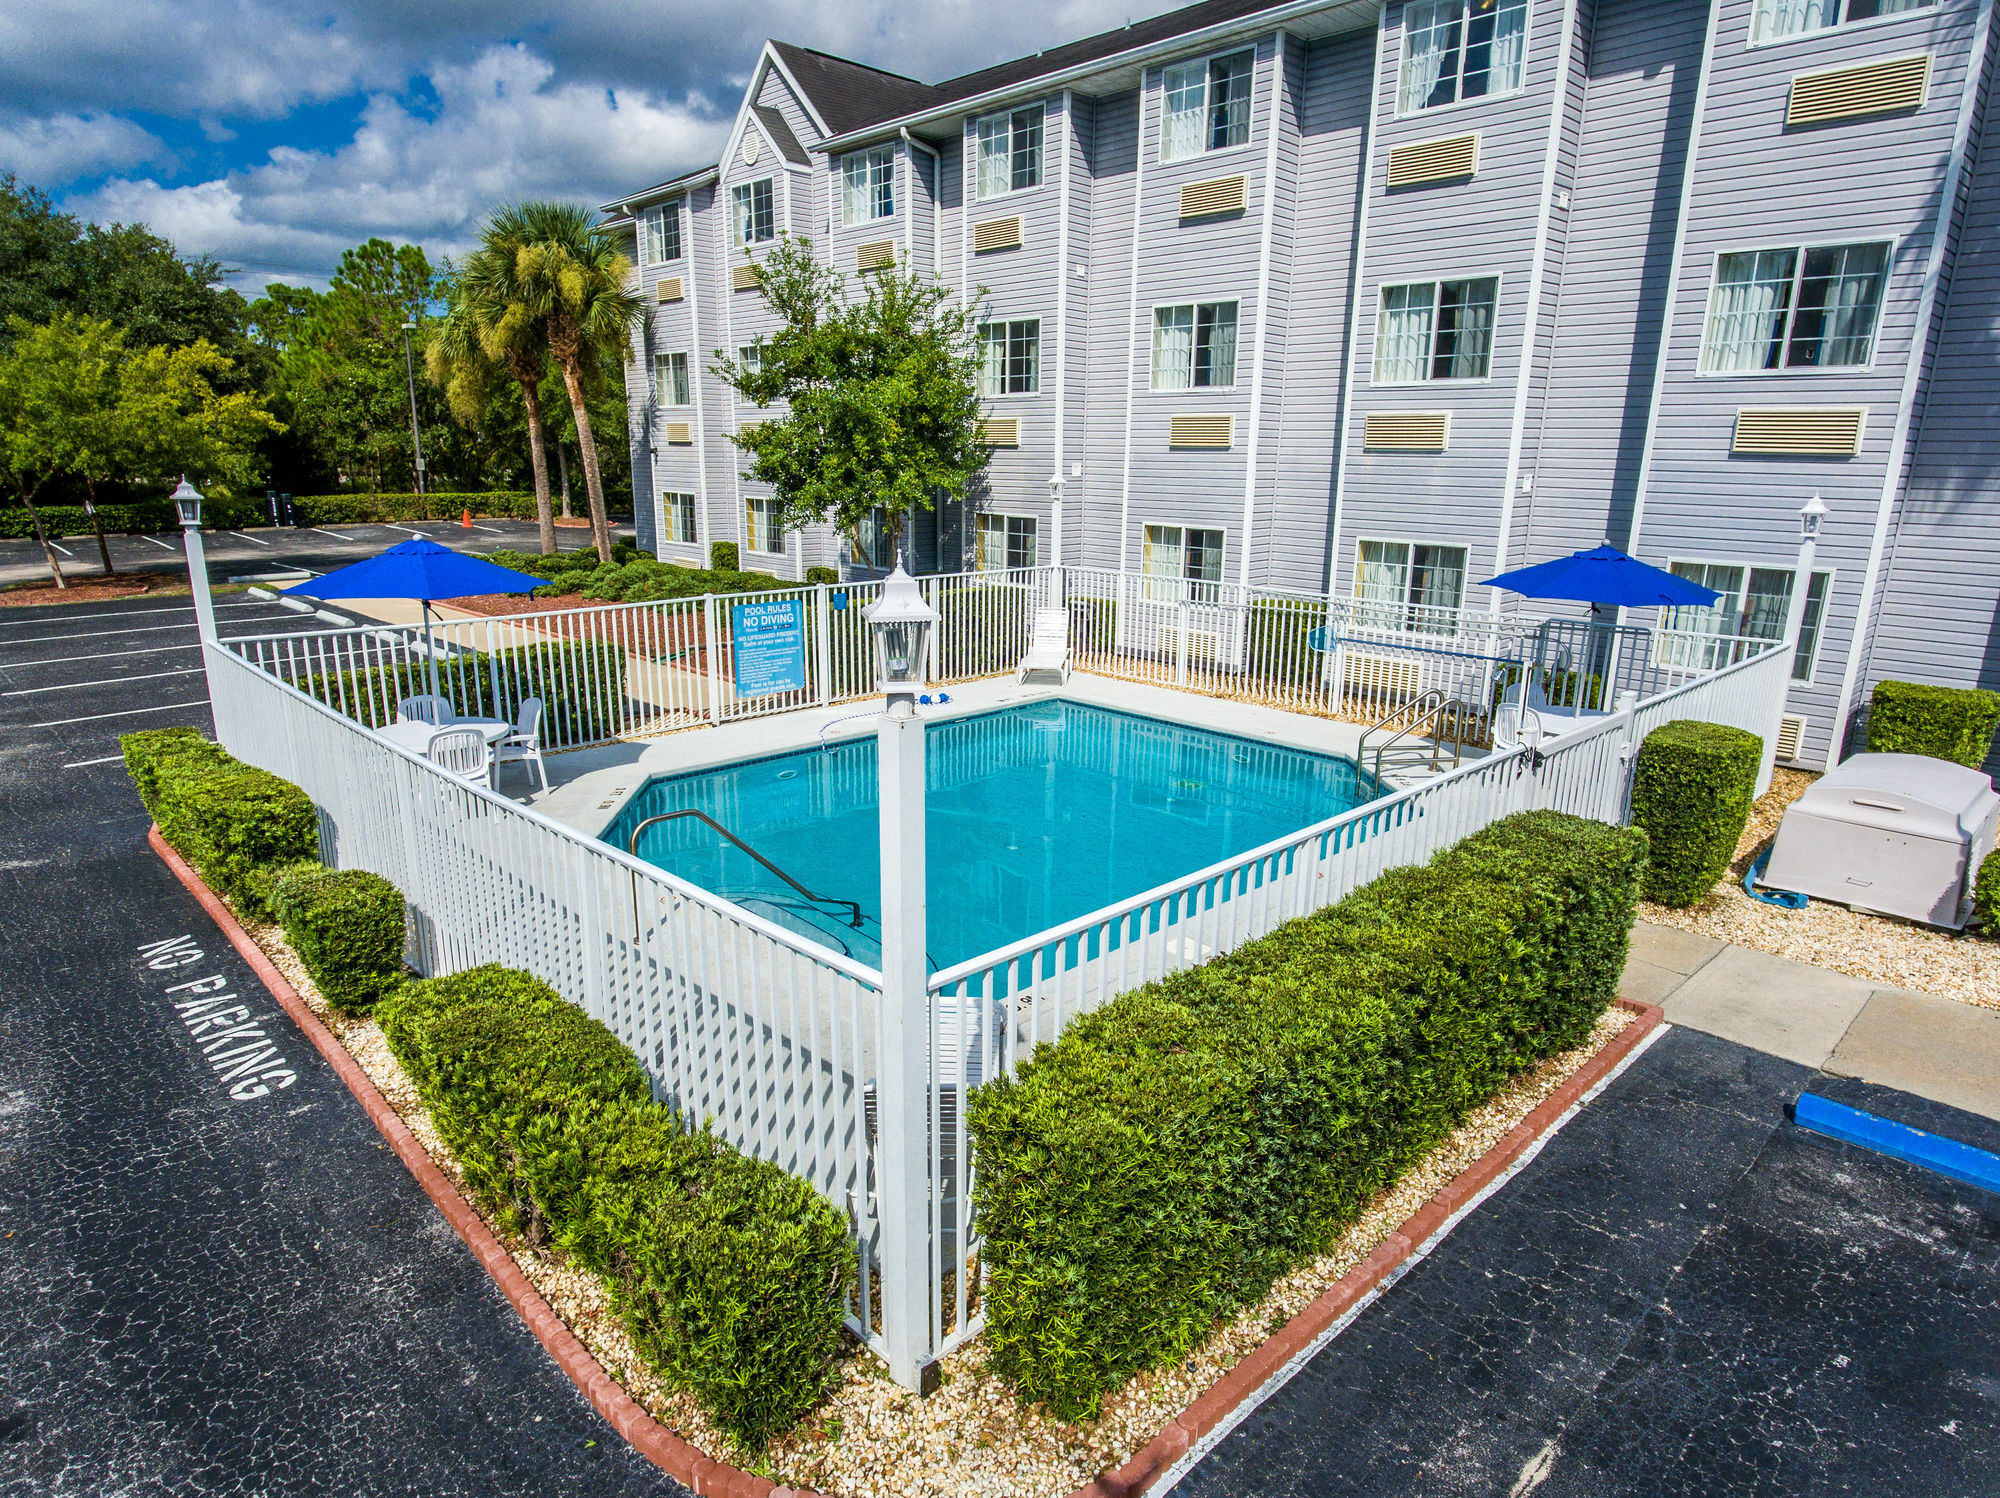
(677, 433)
(1791, 736)
(877, 254)
(745, 277)
(1443, 160)
(1813, 432)
(1382, 678)
(997, 234)
(1406, 431)
(1000, 431)
(1218, 195)
(669, 289)
(746, 427)
(1201, 431)
(1848, 93)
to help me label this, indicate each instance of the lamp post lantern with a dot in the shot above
(416, 437)
(187, 504)
(901, 623)
(1811, 513)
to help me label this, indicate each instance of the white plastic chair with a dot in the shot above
(436, 711)
(461, 752)
(524, 744)
(1048, 654)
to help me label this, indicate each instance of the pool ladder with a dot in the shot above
(632, 846)
(1450, 720)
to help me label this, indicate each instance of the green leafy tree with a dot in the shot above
(880, 394)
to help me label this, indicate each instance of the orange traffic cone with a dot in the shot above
(466, 519)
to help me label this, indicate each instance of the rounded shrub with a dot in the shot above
(1954, 723)
(1691, 793)
(822, 575)
(724, 557)
(1986, 897)
(347, 927)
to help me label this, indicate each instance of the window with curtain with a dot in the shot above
(1206, 105)
(1409, 587)
(1010, 357)
(751, 216)
(1794, 308)
(1183, 562)
(760, 527)
(868, 185)
(1435, 330)
(750, 357)
(677, 510)
(1777, 19)
(1010, 151)
(1007, 542)
(1194, 346)
(670, 379)
(874, 541)
(661, 233)
(1461, 49)
(1755, 603)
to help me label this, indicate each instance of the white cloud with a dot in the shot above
(59, 148)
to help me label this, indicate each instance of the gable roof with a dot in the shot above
(773, 120)
(848, 95)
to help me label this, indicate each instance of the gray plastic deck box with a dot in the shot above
(1900, 834)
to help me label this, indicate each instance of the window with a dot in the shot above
(1782, 18)
(1794, 308)
(1010, 151)
(1207, 106)
(1194, 346)
(868, 185)
(1184, 563)
(875, 541)
(661, 233)
(761, 525)
(677, 510)
(1435, 330)
(1754, 605)
(1010, 357)
(1460, 49)
(670, 379)
(1411, 588)
(1006, 542)
(751, 220)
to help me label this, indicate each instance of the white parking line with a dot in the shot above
(95, 634)
(64, 550)
(244, 536)
(114, 614)
(337, 535)
(106, 681)
(489, 530)
(78, 764)
(161, 544)
(65, 660)
(130, 712)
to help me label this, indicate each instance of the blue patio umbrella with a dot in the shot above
(422, 570)
(1604, 575)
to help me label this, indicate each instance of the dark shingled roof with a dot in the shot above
(781, 134)
(847, 94)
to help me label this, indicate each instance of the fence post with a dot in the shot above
(712, 651)
(1618, 788)
(823, 642)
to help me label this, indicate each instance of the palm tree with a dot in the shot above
(482, 338)
(566, 273)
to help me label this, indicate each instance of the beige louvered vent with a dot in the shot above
(1218, 195)
(1846, 93)
(1001, 431)
(1383, 678)
(877, 254)
(1814, 432)
(1434, 160)
(669, 289)
(1791, 736)
(677, 433)
(1406, 431)
(750, 424)
(745, 277)
(1201, 431)
(997, 234)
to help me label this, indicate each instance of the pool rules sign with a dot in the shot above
(769, 641)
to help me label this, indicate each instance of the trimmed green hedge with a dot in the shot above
(818, 575)
(1954, 723)
(1176, 1151)
(145, 517)
(1986, 896)
(231, 821)
(724, 557)
(347, 927)
(581, 687)
(1691, 791)
(633, 577)
(730, 1275)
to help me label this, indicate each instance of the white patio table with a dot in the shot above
(417, 735)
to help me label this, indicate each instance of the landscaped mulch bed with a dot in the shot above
(93, 587)
(1879, 949)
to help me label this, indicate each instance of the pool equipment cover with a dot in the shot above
(1901, 834)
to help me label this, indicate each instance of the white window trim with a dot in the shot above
(666, 405)
(1183, 391)
(1831, 574)
(1499, 281)
(1839, 28)
(895, 186)
(1436, 111)
(1465, 583)
(1818, 371)
(972, 136)
(1158, 86)
(780, 212)
(783, 537)
(1004, 516)
(665, 509)
(1221, 580)
(672, 205)
(1034, 317)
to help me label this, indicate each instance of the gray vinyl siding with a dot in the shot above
(670, 328)
(1113, 178)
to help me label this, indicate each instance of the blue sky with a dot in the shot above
(272, 134)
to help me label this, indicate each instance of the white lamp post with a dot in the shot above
(901, 623)
(1811, 513)
(187, 501)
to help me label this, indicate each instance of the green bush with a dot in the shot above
(730, 1275)
(1691, 791)
(347, 927)
(819, 575)
(143, 517)
(1189, 1142)
(1986, 896)
(636, 578)
(723, 557)
(231, 821)
(582, 688)
(1954, 723)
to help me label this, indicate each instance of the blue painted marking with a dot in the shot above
(1961, 1162)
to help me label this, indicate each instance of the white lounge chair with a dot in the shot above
(425, 709)
(524, 744)
(1048, 658)
(461, 752)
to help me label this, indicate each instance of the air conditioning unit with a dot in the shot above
(1791, 736)
(1392, 676)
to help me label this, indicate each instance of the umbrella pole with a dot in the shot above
(430, 651)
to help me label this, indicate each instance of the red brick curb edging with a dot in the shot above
(652, 1440)
(1247, 1377)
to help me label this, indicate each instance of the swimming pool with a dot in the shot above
(1035, 814)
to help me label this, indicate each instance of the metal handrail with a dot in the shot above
(632, 846)
(1446, 716)
(1423, 705)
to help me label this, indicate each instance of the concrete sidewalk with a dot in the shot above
(1939, 1049)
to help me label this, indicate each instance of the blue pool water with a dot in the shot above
(1036, 815)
